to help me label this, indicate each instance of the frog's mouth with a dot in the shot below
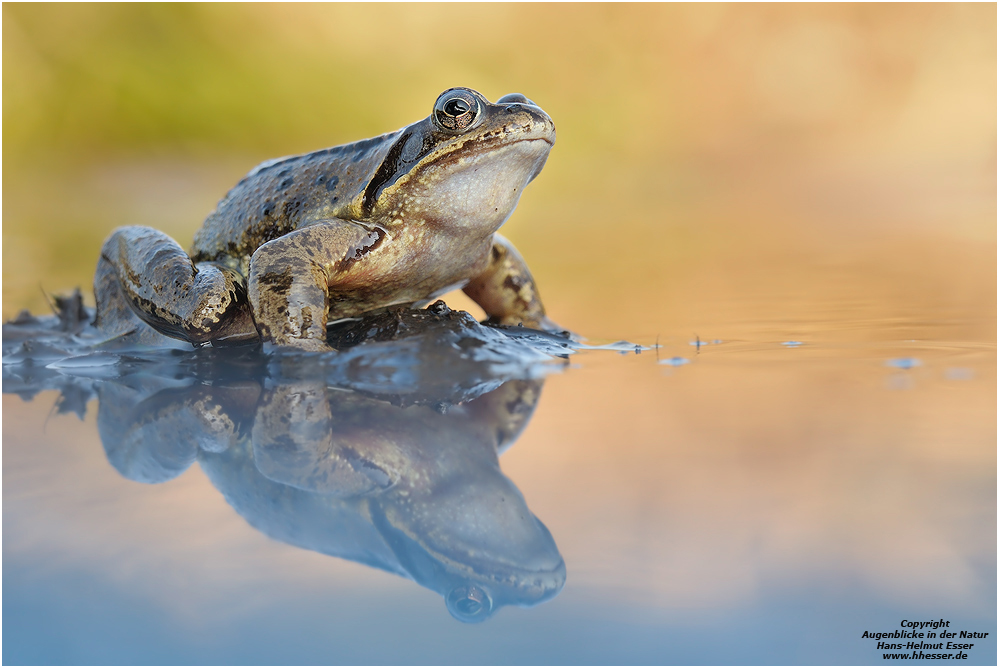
(526, 155)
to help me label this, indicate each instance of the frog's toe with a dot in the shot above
(237, 328)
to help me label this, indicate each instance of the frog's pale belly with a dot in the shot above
(406, 270)
(395, 219)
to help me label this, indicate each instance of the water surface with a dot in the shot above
(762, 503)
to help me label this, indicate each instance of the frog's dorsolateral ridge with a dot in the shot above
(305, 240)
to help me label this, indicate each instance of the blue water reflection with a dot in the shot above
(707, 549)
(352, 455)
(408, 489)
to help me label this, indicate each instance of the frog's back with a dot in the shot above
(279, 196)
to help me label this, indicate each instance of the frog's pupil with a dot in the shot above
(456, 107)
(469, 606)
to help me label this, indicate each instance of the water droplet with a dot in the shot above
(675, 361)
(791, 344)
(903, 363)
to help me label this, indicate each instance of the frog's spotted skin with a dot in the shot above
(397, 219)
(208, 304)
(282, 195)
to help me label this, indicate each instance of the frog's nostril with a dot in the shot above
(515, 98)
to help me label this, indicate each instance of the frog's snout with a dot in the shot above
(532, 120)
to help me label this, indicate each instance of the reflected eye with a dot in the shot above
(469, 604)
(456, 110)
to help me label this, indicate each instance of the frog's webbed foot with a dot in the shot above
(506, 291)
(146, 272)
(290, 278)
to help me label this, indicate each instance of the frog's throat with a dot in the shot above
(400, 164)
(464, 189)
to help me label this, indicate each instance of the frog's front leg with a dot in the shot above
(297, 441)
(149, 273)
(506, 291)
(290, 278)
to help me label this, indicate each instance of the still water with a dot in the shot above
(766, 495)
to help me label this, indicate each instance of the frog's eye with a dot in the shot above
(469, 604)
(456, 110)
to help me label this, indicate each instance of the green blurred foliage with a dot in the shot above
(85, 78)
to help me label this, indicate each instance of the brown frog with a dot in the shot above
(305, 240)
(412, 490)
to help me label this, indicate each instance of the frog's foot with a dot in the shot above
(289, 282)
(143, 272)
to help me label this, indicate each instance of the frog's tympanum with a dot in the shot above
(305, 240)
(413, 490)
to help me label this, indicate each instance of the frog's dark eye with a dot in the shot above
(456, 110)
(456, 107)
(469, 604)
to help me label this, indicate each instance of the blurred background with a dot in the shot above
(718, 146)
(753, 174)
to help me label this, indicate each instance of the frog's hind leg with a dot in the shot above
(507, 409)
(115, 320)
(506, 290)
(144, 271)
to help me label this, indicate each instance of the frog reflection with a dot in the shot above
(414, 490)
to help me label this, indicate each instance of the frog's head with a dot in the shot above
(464, 166)
(473, 540)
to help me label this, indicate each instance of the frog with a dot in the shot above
(306, 240)
(410, 490)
